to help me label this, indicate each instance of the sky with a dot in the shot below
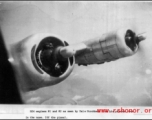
(127, 81)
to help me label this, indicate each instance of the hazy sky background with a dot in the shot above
(127, 81)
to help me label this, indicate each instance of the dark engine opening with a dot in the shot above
(47, 56)
(130, 39)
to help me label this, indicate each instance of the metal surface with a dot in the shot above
(123, 82)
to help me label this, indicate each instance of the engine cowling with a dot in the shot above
(42, 60)
(108, 47)
(38, 63)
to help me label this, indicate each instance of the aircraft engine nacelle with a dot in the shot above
(37, 62)
(43, 59)
(108, 47)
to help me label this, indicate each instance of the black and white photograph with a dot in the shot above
(76, 54)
